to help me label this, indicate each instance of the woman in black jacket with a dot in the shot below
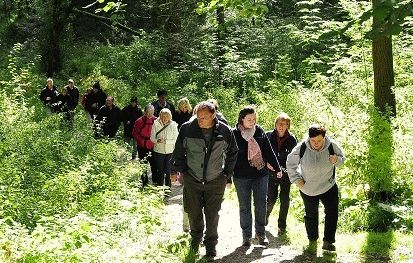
(250, 174)
(282, 141)
(183, 112)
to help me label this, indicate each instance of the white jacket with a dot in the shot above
(170, 134)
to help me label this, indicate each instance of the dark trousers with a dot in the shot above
(256, 187)
(199, 200)
(131, 142)
(147, 157)
(162, 171)
(330, 201)
(278, 188)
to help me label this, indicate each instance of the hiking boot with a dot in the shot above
(311, 249)
(195, 247)
(262, 239)
(246, 242)
(328, 246)
(281, 231)
(185, 229)
(210, 254)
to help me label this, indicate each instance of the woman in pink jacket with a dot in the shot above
(142, 134)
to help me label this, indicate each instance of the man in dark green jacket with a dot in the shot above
(205, 153)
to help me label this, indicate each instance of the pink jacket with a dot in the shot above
(142, 132)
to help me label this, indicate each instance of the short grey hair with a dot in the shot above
(149, 107)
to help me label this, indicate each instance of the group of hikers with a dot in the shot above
(208, 155)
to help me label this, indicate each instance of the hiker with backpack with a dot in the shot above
(163, 134)
(142, 134)
(317, 157)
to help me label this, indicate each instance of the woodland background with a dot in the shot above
(67, 197)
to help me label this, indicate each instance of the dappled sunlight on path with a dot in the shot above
(230, 239)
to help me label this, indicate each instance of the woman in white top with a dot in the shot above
(163, 134)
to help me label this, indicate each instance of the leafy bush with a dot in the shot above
(65, 196)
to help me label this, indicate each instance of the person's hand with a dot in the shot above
(94, 105)
(174, 177)
(333, 159)
(228, 185)
(180, 178)
(48, 98)
(300, 183)
(280, 174)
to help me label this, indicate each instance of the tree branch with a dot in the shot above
(107, 20)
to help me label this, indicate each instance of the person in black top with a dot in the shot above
(109, 118)
(250, 174)
(95, 100)
(283, 142)
(48, 95)
(63, 104)
(130, 114)
(162, 102)
(73, 91)
(183, 113)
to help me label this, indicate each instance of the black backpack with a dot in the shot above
(303, 147)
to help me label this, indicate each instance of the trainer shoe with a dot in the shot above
(246, 242)
(311, 249)
(281, 231)
(262, 239)
(328, 246)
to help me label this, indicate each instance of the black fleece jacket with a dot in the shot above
(289, 144)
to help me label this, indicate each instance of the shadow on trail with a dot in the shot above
(326, 257)
(244, 254)
(277, 242)
(256, 252)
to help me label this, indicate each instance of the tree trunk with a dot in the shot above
(51, 50)
(384, 97)
(220, 44)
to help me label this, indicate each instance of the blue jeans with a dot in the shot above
(258, 188)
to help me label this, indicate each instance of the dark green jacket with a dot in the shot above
(205, 162)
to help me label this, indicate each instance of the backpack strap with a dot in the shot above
(303, 147)
(143, 125)
(331, 152)
(331, 149)
(161, 130)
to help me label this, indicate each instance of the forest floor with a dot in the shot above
(280, 249)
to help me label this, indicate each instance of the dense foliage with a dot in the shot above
(65, 196)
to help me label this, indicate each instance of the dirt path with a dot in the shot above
(229, 247)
